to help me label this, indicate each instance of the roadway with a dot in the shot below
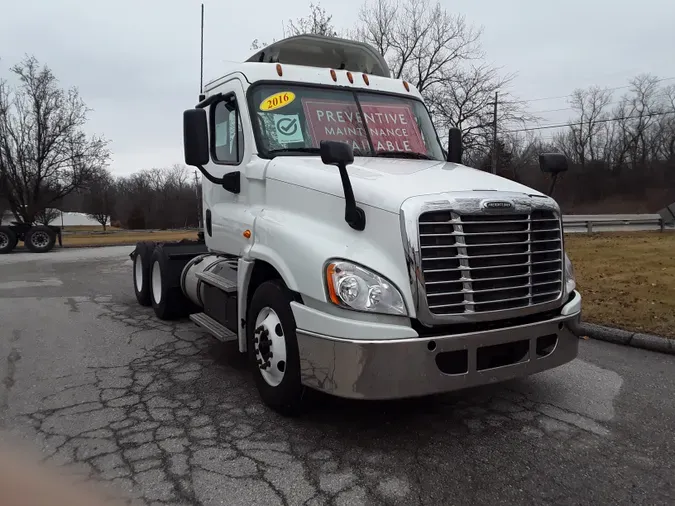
(168, 415)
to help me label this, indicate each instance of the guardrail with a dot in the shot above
(588, 223)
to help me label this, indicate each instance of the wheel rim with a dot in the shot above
(40, 239)
(156, 283)
(270, 346)
(138, 271)
(4, 240)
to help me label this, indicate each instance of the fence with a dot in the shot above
(588, 223)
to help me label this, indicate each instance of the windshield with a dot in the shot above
(295, 119)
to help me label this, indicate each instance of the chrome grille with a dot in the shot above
(479, 263)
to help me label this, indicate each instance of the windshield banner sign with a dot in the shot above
(392, 127)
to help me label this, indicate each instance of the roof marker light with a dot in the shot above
(333, 75)
(365, 79)
(406, 85)
(350, 77)
(279, 71)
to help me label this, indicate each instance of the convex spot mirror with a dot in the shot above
(336, 153)
(552, 163)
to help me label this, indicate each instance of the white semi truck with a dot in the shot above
(345, 250)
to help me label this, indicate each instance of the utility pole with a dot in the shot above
(494, 137)
(199, 203)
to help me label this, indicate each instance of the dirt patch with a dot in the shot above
(627, 280)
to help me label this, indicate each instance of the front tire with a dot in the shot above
(273, 348)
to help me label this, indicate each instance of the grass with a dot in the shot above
(123, 237)
(627, 280)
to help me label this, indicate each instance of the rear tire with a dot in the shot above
(40, 239)
(271, 324)
(168, 301)
(141, 272)
(8, 240)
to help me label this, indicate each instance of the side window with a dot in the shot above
(227, 135)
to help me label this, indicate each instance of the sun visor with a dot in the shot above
(324, 52)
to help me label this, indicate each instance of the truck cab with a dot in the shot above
(346, 250)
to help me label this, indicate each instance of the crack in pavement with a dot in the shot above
(8, 381)
(182, 424)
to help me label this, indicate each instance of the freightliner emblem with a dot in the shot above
(498, 204)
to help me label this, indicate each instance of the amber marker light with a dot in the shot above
(333, 75)
(279, 70)
(406, 85)
(365, 79)
(330, 270)
(350, 77)
(247, 234)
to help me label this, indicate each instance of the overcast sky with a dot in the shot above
(137, 63)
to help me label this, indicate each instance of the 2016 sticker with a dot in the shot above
(277, 101)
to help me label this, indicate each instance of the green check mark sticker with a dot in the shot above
(288, 128)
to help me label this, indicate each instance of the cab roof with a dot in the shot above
(320, 60)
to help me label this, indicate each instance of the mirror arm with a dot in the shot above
(554, 179)
(231, 180)
(354, 215)
(207, 175)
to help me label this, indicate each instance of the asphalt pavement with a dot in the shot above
(167, 414)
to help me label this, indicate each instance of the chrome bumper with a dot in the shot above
(411, 367)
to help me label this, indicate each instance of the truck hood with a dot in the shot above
(386, 183)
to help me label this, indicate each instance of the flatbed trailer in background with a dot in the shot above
(36, 238)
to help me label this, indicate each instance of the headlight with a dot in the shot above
(354, 287)
(570, 279)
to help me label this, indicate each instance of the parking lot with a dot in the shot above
(169, 415)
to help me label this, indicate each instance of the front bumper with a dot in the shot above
(417, 366)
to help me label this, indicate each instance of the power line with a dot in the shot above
(571, 94)
(606, 120)
(613, 102)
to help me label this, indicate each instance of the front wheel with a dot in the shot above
(273, 348)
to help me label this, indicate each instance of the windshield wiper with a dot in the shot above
(301, 150)
(403, 154)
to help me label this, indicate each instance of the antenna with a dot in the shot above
(201, 69)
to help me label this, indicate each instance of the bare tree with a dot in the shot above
(466, 101)
(422, 43)
(318, 22)
(586, 138)
(440, 53)
(47, 215)
(99, 201)
(44, 153)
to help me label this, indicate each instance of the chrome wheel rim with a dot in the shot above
(138, 270)
(4, 240)
(270, 346)
(40, 239)
(156, 283)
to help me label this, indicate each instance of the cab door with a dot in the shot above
(226, 214)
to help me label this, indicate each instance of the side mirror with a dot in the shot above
(553, 163)
(455, 145)
(195, 137)
(336, 153)
(342, 154)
